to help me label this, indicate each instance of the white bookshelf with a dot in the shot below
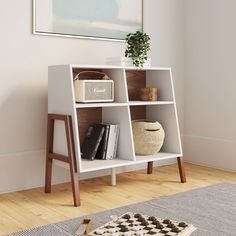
(61, 100)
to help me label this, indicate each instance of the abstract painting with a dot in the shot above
(103, 19)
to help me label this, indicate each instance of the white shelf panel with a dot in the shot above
(117, 67)
(103, 164)
(143, 103)
(100, 104)
(122, 104)
(94, 165)
(157, 157)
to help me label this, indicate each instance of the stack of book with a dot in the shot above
(100, 142)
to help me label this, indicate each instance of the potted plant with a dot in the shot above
(138, 46)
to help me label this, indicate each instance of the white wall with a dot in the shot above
(210, 83)
(23, 74)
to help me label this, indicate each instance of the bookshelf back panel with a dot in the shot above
(135, 81)
(138, 112)
(87, 117)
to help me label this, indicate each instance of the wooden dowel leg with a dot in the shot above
(181, 170)
(113, 176)
(150, 167)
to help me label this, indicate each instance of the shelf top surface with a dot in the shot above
(120, 104)
(106, 164)
(141, 103)
(101, 104)
(80, 66)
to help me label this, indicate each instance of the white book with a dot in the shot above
(116, 141)
(111, 142)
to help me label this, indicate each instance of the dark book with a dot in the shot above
(101, 153)
(91, 143)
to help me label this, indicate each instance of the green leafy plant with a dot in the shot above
(138, 46)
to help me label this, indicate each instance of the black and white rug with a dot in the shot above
(212, 210)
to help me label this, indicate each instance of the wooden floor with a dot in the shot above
(26, 209)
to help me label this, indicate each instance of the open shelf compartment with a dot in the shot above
(166, 116)
(160, 79)
(120, 91)
(113, 115)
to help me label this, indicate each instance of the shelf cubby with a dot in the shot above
(120, 94)
(165, 115)
(111, 115)
(161, 79)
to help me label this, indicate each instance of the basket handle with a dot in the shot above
(91, 75)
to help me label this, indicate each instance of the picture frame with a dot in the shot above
(87, 19)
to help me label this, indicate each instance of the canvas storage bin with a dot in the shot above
(93, 86)
(148, 136)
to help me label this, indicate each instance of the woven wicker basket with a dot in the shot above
(148, 137)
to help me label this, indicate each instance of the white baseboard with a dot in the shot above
(210, 166)
(26, 170)
(215, 153)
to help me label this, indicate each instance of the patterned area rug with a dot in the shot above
(211, 209)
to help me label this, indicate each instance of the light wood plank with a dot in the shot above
(26, 209)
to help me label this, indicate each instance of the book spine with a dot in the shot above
(102, 144)
(88, 134)
(106, 135)
(116, 141)
(97, 145)
(111, 142)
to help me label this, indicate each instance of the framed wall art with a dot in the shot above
(95, 19)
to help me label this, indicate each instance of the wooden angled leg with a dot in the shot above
(150, 167)
(181, 170)
(49, 149)
(71, 156)
(70, 159)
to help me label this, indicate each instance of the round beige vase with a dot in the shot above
(148, 136)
